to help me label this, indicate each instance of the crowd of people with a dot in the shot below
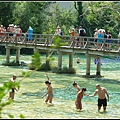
(77, 35)
(98, 34)
(102, 93)
(15, 31)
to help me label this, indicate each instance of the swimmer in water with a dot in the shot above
(78, 60)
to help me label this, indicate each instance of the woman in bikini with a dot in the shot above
(79, 97)
(49, 92)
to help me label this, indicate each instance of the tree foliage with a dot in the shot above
(103, 15)
(45, 16)
(6, 16)
(30, 14)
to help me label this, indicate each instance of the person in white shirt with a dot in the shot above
(119, 41)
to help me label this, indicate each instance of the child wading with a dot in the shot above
(79, 97)
(49, 92)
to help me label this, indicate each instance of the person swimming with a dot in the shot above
(77, 59)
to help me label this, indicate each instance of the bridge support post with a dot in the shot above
(47, 61)
(59, 60)
(98, 66)
(7, 54)
(36, 50)
(71, 60)
(17, 55)
(88, 60)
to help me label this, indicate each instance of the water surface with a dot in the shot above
(28, 100)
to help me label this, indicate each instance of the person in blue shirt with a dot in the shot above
(30, 33)
(99, 41)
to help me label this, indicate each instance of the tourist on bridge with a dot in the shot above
(2, 31)
(11, 31)
(119, 41)
(95, 36)
(104, 36)
(19, 32)
(58, 31)
(77, 44)
(82, 33)
(99, 41)
(109, 41)
(30, 33)
(72, 32)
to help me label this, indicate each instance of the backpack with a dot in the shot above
(82, 32)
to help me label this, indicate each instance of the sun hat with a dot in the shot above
(58, 26)
(11, 25)
(95, 29)
(15, 26)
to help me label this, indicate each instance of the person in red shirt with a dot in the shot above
(72, 32)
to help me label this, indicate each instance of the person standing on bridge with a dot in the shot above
(109, 41)
(30, 33)
(119, 41)
(82, 33)
(95, 36)
(72, 32)
(58, 31)
(99, 40)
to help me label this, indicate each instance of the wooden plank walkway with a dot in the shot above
(45, 41)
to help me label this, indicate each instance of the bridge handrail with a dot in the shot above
(47, 39)
(7, 33)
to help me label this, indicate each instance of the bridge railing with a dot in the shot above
(48, 40)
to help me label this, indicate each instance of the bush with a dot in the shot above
(64, 70)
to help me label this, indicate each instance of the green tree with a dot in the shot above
(79, 8)
(4, 89)
(6, 16)
(31, 14)
(103, 15)
(60, 16)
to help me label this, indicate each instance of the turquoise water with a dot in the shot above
(110, 71)
(111, 79)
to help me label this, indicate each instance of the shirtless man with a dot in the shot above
(102, 92)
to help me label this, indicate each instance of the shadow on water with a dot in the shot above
(106, 80)
(98, 79)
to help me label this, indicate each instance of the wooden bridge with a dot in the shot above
(45, 43)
